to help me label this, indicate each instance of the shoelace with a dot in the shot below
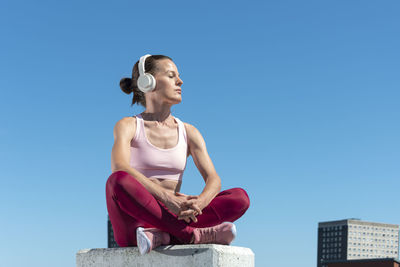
(208, 235)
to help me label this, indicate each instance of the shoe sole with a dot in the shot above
(143, 242)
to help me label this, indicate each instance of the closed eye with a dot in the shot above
(173, 74)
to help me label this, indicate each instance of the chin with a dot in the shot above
(175, 100)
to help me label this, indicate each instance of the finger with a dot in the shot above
(193, 206)
(182, 212)
(197, 209)
(193, 218)
(186, 212)
(189, 202)
(184, 207)
(192, 197)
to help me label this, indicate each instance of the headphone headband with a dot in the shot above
(146, 82)
(141, 64)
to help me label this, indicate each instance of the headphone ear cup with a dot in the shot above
(146, 82)
(152, 84)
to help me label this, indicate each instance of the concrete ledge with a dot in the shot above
(168, 256)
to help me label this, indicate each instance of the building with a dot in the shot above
(110, 235)
(352, 239)
(387, 262)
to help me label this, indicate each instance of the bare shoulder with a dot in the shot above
(190, 129)
(125, 128)
(193, 134)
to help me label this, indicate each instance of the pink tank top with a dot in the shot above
(154, 162)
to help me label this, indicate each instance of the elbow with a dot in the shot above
(119, 167)
(218, 183)
(214, 180)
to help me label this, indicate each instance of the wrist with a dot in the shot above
(164, 196)
(203, 202)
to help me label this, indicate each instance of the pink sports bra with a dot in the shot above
(154, 162)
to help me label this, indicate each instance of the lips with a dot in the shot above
(179, 91)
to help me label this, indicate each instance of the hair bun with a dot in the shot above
(126, 85)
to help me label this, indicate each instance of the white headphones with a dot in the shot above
(146, 82)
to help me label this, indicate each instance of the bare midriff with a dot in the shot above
(170, 185)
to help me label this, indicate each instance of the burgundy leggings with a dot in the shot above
(130, 205)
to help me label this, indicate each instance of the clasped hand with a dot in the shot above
(186, 207)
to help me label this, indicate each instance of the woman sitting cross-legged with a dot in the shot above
(149, 154)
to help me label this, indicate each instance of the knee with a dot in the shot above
(242, 198)
(116, 179)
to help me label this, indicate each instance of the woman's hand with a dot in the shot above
(173, 202)
(178, 203)
(191, 208)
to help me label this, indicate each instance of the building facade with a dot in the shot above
(365, 263)
(353, 239)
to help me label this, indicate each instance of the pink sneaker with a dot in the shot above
(222, 234)
(150, 238)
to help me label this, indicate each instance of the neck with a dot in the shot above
(161, 116)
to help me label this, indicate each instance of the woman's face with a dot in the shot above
(168, 83)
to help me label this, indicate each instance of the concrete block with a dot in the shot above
(207, 255)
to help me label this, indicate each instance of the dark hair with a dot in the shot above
(129, 85)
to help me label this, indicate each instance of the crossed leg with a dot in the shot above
(130, 205)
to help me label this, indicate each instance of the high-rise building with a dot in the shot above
(383, 262)
(351, 239)
(110, 235)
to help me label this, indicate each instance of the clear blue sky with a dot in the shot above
(298, 102)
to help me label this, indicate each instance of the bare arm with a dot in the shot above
(124, 132)
(198, 150)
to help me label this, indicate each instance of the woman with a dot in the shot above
(148, 160)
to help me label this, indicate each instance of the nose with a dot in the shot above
(179, 81)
